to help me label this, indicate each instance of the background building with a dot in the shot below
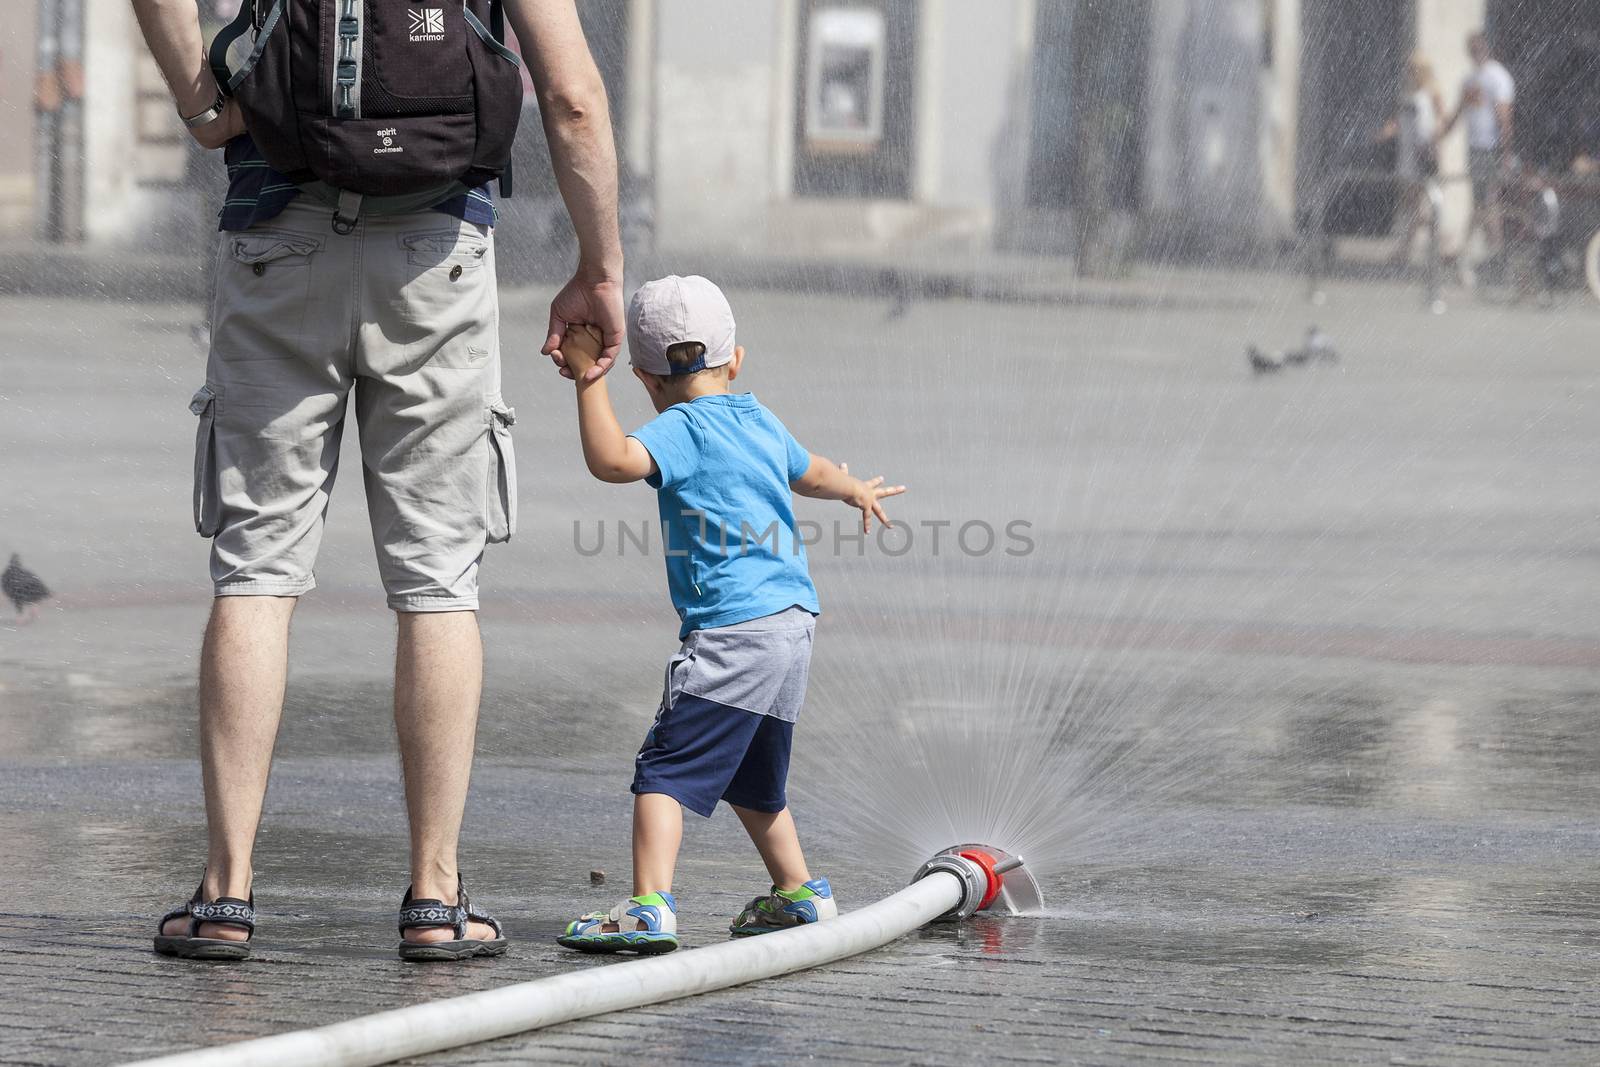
(863, 128)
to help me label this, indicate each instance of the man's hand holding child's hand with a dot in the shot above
(581, 347)
(866, 496)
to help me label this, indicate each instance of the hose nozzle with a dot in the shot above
(986, 875)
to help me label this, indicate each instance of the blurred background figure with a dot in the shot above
(58, 99)
(1586, 158)
(24, 589)
(1487, 97)
(1413, 129)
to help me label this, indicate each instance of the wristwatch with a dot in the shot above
(209, 115)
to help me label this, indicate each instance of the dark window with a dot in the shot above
(1088, 94)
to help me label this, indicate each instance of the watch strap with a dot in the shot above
(208, 116)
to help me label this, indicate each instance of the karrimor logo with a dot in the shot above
(388, 136)
(427, 23)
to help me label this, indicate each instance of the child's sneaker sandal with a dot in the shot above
(784, 908)
(652, 922)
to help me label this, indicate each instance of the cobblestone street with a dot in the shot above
(1378, 578)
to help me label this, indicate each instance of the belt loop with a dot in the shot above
(347, 213)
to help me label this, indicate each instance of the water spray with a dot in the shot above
(953, 885)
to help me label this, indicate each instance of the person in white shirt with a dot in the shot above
(1413, 128)
(1487, 95)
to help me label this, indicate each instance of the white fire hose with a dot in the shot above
(951, 884)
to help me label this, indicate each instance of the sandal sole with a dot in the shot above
(639, 946)
(449, 951)
(202, 948)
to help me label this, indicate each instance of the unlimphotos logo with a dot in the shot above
(427, 23)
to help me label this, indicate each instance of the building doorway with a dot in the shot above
(1087, 111)
(1353, 58)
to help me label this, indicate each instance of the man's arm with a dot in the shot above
(1455, 116)
(610, 454)
(1450, 123)
(171, 29)
(827, 480)
(577, 125)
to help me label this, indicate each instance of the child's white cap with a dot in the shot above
(672, 310)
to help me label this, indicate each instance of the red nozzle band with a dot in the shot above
(986, 862)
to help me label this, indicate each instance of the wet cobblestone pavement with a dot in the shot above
(1395, 859)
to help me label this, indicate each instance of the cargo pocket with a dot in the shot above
(265, 294)
(449, 249)
(207, 501)
(259, 249)
(500, 519)
(446, 307)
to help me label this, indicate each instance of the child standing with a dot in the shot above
(723, 467)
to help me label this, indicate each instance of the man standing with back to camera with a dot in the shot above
(357, 258)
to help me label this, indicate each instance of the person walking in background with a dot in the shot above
(1487, 97)
(316, 302)
(1413, 130)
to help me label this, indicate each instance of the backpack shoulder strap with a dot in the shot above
(497, 26)
(242, 24)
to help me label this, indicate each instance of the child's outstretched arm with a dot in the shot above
(611, 455)
(827, 480)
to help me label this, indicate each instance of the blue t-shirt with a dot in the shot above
(257, 193)
(733, 553)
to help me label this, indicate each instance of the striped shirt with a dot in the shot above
(257, 193)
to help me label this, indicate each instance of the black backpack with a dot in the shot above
(382, 106)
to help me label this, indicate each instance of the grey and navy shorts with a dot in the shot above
(728, 709)
(401, 315)
(1484, 175)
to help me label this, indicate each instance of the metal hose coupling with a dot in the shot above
(986, 875)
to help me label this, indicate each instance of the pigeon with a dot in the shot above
(24, 589)
(1318, 348)
(1263, 362)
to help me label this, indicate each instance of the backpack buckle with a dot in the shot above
(347, 213)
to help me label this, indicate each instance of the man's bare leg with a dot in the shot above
(244, 664)
(1493, 227)
(438, 679)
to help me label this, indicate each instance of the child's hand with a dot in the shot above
(865, 496)
(581, 348)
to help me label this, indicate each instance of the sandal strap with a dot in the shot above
(230, 911)
(225, 911)
(428, 914)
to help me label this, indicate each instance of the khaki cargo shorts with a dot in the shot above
(402, 313)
